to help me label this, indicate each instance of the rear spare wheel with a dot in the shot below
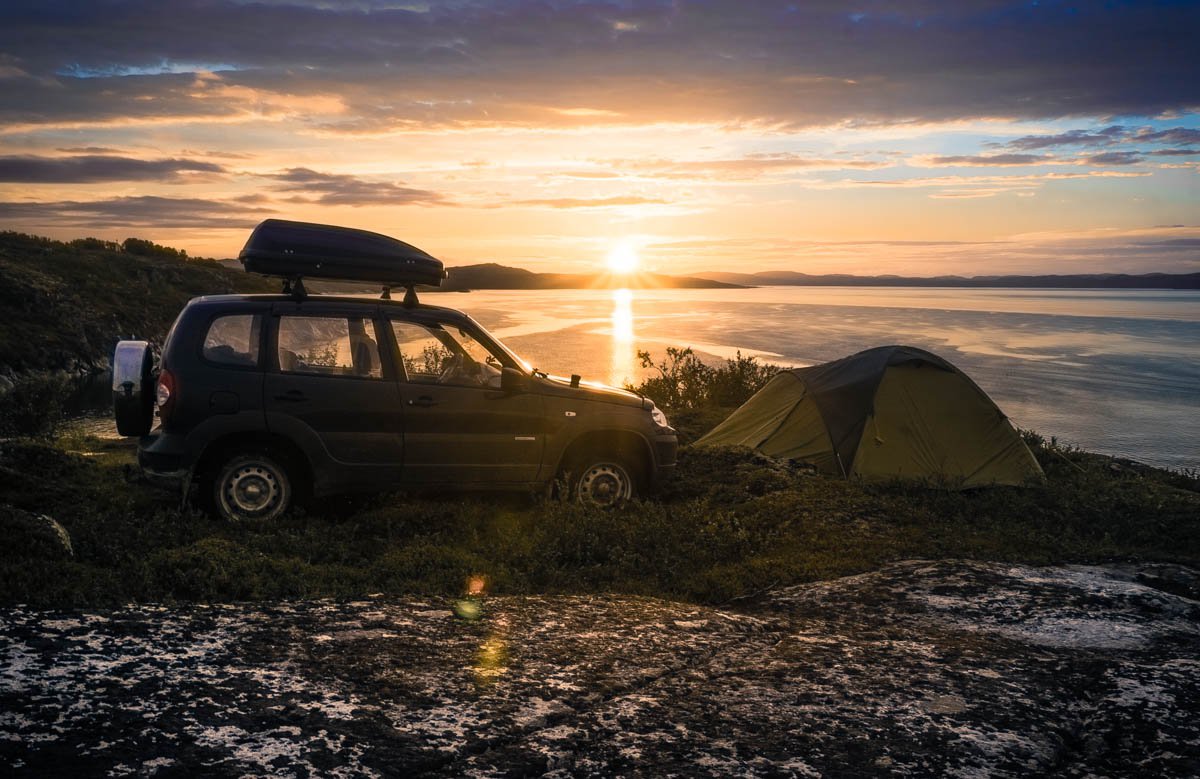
(133, 387)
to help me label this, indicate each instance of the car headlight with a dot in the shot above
(658, 417)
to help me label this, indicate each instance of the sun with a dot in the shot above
(623, 259)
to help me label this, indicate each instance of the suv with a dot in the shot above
(264, 398)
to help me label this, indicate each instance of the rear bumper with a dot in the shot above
(161, 458)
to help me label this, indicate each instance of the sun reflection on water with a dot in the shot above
(623, 351)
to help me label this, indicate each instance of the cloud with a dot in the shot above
(370, 68)
(1164, 249)
(1114, 158)
(1182, 135)
(1071, 138)
(989, 183)
(745, 168)
(983, 160)
(583, 202)
(145, 211)
(346, 190)
(587, 174)
(89, 169)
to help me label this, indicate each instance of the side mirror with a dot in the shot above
(512, 380)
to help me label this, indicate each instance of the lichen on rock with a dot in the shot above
(945, 668)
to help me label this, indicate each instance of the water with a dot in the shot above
(1111, 371)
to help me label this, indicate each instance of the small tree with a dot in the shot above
(684, 382)
(144, 248)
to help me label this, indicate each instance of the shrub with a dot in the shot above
(685, 383)
(144, 248)
(34, 407)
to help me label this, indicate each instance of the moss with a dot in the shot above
(732, 523)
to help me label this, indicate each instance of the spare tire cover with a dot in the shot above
(133, 387)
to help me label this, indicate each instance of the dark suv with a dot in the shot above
(263, 398)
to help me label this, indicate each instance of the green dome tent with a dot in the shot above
(889, 412)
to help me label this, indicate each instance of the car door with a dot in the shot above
(459, 427)
(330, 384)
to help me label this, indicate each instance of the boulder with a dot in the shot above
(29, 535)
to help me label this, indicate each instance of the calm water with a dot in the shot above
(1116, 372)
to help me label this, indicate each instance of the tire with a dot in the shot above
(133, 388)
(604, 482)
(252, 487)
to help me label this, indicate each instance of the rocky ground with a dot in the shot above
(919, 669)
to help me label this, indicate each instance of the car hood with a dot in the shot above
(596, 391)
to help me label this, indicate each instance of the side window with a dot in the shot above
(233, 340)
(433, 354)
(328, 346)
(426, 356)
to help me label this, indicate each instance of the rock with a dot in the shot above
(32, 535)
(947, 668)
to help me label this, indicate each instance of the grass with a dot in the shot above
(731, 524)
(67, 304)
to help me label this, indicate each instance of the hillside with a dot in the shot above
(1078, 281)
(494, 276)
(66, 304)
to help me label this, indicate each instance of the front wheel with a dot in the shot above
(605, 483)
(252, 487)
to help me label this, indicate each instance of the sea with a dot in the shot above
(1111, 371)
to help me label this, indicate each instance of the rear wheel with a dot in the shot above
(605, 482)
(252, 487)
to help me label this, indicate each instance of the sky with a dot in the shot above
(919, 137)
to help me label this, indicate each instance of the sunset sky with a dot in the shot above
(914, 138)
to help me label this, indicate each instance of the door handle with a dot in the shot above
(292, 396)
(424, 402)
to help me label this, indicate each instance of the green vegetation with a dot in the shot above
(684, 383)
(731, 524)
(34, 406)
(66, 304)
(698, 395)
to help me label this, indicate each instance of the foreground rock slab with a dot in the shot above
(946, 668)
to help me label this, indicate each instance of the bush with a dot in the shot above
(730, 524)
(34, 407)
(685, 383)
(144, 248)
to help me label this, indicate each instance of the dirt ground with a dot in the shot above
(920, 669)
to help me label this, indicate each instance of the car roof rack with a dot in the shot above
(299, 250)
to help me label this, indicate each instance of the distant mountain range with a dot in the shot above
(1077, 281)
(492, 275)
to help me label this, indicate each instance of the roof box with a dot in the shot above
(304, 250)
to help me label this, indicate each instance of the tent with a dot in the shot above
(889, 412)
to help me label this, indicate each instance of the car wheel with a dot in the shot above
(252, 487)
(604, 482)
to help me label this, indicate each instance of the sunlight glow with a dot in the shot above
(623, 259)
(623, 352)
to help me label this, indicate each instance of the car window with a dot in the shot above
(233, 340)
(433, 354)
(328, 346)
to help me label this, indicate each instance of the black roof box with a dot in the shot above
(304, 250)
